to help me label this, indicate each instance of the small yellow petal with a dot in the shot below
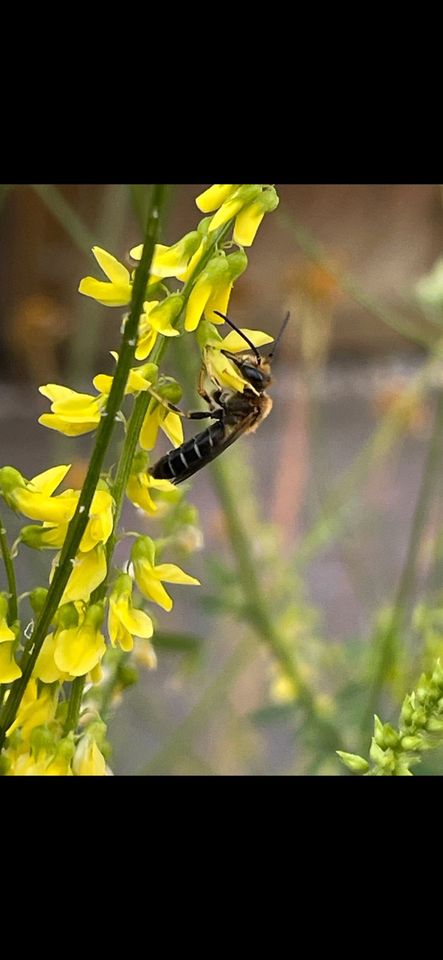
(149, 430)
(214, 196)
(172, 426)
(9, 669)
(45, 668)
(219, 300)
(170, 573)
(235, 343)
(70, 428)
(145, 344)
(119, 635)
(6, 634)
(109, 294)
(137, 622)
(150, 587)
(198, 299)
(114, 270)
(88, 573)
(79, 649)
(49, 480)
(247, 224)
(226, 212)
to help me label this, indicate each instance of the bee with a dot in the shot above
(233, 413)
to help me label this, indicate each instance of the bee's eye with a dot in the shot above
(253, 374)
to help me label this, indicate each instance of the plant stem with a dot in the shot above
(257, 610)
(79, 521)
(406, 584)
(75, 701)
(66, 215)
(10, 574)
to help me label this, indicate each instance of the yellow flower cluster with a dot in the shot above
(205, 263)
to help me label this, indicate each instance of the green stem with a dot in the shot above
(405, 589)
(10, 575)
(257, 610)
(65, 214)
(314, 251)
(75, 701)
(79, 521)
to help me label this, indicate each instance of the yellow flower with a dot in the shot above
(9, 669)
(157, 318)
(33, 497)
(47, 764)
(247, 202)
(213, 197)
(251, 215)
(171, 261)
(100, 523)
(219, 367)
(36, 709)
(149, 576)
(159, 417)
(45, 668)
(124, 622)
(212, 288)
(234, 203)
(89, 571)
(88, 759)
(98, 530)
(117, 291)
(140, 378)
(203, 231)
(72, 413)
(140, 484)
(79, 649)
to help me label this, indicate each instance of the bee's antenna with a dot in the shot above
(279, 335)
(240, 332)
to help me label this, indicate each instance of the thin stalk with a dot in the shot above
(10, 575)
(79, 521)
(75, 701)
(257, 609)
(406, 584)
(314, 251)
(65, 214)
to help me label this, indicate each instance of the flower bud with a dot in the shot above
(37, 599)
(353, 762)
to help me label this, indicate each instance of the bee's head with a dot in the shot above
(253, 367)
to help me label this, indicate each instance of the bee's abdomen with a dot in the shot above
(181, 463)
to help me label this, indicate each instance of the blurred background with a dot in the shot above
(337, 493)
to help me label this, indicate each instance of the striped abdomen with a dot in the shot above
(179, 464)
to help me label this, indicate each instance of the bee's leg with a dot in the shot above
(213, 414)
(204, 393)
